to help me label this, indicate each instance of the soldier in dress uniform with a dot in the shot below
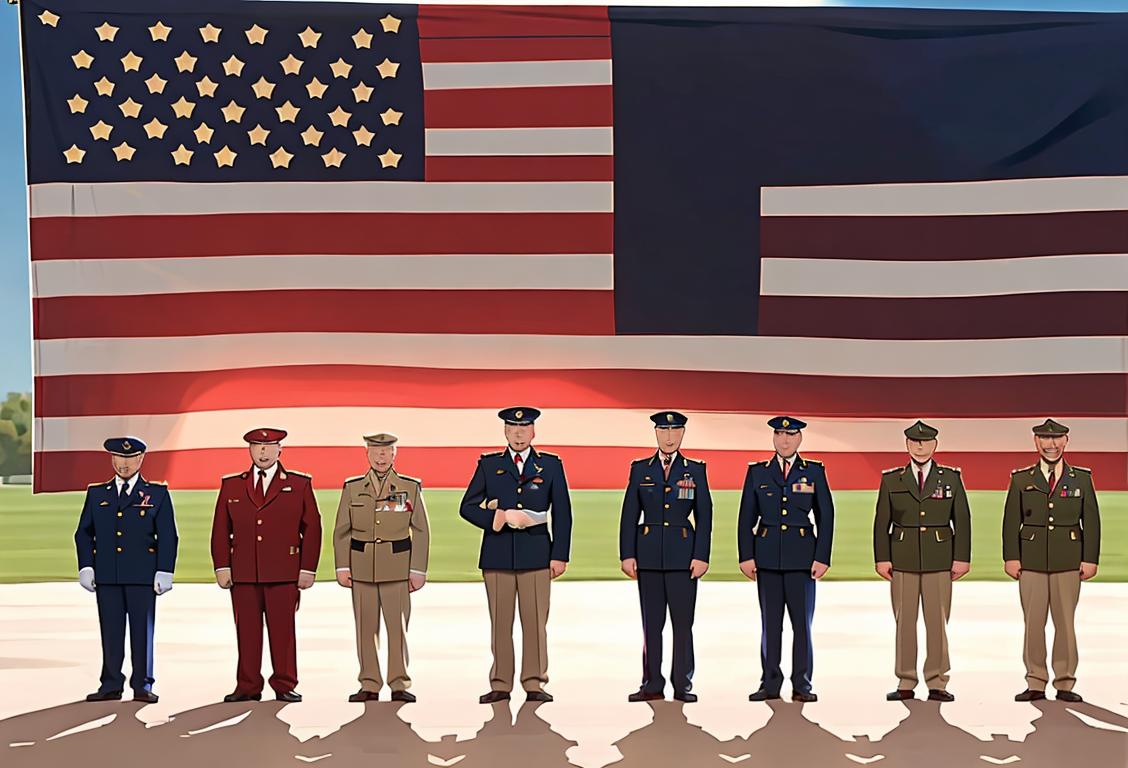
(380, 543)
(1051, 543)
(265, 544)
(133, 522)
(519, 498)
(921, 544)
(664, 536)
(785, 553)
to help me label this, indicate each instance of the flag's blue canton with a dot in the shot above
(58, 122)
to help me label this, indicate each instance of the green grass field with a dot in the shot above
(36, 536)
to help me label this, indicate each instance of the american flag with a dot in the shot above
(346, 218)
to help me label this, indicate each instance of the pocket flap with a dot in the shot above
(1028, 535)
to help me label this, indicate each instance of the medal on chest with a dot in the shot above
(687, 488)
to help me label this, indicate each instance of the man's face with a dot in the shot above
(669, 438)
(265, 455)
(787, 441)
(519, 436)
(126, 467)
(381, 457)
(1051, 447)
(920, 450)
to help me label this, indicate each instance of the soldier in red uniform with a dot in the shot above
(266, 540)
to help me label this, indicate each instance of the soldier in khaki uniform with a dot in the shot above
(380, 543)
(1051, 543)
(921, 544)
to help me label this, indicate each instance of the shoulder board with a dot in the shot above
(957, 470)
(643, 460)
(157, 483)
(1022, 469)
(98, 485)
(1086, 470)
(891, 470)
(411, 479)
(546, 453)
(694, 461)
(355, 479)
(816, 462)
(295, 473)
(765, 463)
(490, 454)
(234, 475)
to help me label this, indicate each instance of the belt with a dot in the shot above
(922, 527)
(1051, 525)
(666, 525)
(358, 545)
(786, 526)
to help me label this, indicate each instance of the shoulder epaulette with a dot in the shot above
(233, 475)
(816, 462)
(694, 461)
(98, 485)
(642, 460)
(354, 479)
(1081, 469)
(549, 455)
(1023, 469)
(891, 470)
(764, 463)
(295, 473)
(158, 483)
(957, 470)
(411, 479)
(489, 454)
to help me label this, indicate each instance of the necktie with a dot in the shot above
(124, 493)
(786, 467)
(666, 459)
(259, 484)
(920, 478)
(519, 462)
(1053, 479)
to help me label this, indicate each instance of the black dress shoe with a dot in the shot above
(935, 694)
(363, 695)
(804, 698)
(403, 696)
(687, 697)
(1068, 696)
(646, 696)
(104, 696)
(1029, 695)
(236, 696)
(493, 697)
(762, 695)
(146, 696)
(537, 696)
(290, 697)
(901, 694)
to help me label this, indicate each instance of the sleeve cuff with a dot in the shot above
(85, 569)
(338, 570)
(311, 573)
(227, 568)
(164, 573)
(421, 573)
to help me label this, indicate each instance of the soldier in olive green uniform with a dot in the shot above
(922, 543)
(1051, 543)
(380, 544)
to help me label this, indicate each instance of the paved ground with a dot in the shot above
(49, 658)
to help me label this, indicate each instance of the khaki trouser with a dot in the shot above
(530, 589)
(392, 599)
(933, 591)
(1056, 594)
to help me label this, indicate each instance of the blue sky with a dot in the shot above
(15, 304)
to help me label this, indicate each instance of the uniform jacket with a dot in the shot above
(1051, 533)
(271, 543)
(381, 532)
(541, 487)
(925, 530)
(126, 542)
(775, 521)
(656, 526)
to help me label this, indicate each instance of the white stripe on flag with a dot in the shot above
(515, 74)
(519, 141)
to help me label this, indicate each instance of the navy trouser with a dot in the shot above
(659, 592)
(116, 602)
(795, 591)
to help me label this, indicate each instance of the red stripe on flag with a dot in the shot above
(518, 168)
(566, 106)
(943, 238)
(515, 49)
(328, 311)
(1030, 315)
(1084, 395)
(587, 467)
(512, 20)
(125, 237)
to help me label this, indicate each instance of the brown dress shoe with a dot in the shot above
(403, 696)
(935, 694)
(1029, 695)
(901, 694)
(290, 697)
(1068, 696)
(646, 696)
(493, 697)
(363, 695)
(538, 696)
(804, 698)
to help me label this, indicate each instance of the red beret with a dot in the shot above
(265, 435)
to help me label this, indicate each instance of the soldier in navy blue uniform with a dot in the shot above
(664, 536)
(126, 544)
(784, 536)
(519, 498)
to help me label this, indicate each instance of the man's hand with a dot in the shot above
(223, 578)
(630, 567)
(818, 570)
(500, 517)
(344, 577)
(415, 581)
(518, 518)
(557, 567)
(959, 569)
(884, 569)
(162, 582)
(1013, 568)
(1088, 571)
(86, 579)
(748, 568)
(697, 568)
(305, 580)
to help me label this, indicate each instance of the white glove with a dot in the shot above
(86, 579)
(162, 582)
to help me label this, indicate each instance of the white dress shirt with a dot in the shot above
(130, 484)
